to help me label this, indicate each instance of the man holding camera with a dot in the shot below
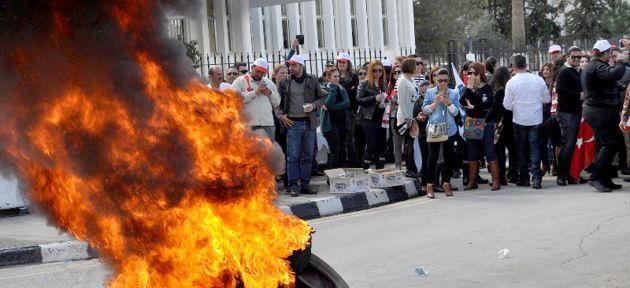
(601, 110)
(260, 97)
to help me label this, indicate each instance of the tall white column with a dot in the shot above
(328, 19)
(375, 22)
(293, 15)
(223, 42)
(392, 28)
(411, 34)
(343, 24)
(258, 41)
(362, 23)
(241, 30)
(310, 26)
(274, 28)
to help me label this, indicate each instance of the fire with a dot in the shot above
(160, 174)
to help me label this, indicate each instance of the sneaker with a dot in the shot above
(599, 185)
(561, 182)
(293, 192)
(308, 191)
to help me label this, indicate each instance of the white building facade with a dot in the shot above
(267, 27)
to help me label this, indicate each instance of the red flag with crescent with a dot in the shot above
(584, 152)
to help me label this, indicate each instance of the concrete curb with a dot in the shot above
(344, 203)
(337, 204)
(47, 253)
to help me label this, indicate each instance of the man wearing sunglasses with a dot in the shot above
(569, 112)
(232, 74)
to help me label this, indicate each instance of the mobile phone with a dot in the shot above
(300, 39)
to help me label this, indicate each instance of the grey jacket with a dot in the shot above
(312, 94)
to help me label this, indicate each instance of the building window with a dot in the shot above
(320, 24)
(212, 30)
(228, 20)
(353, 22)
(176, 29)
(384, 16)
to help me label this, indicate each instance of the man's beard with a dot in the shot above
(257, 78)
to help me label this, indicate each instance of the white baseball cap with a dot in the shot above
(387, 63)
(555, 48)
(602, 45)
(296, 59)
(344, 57)
(261, 65)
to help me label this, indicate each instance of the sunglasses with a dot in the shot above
(442, 81)
(418, 63)
(576, 57)
(398, 72)
(377, 70)
(362, 73)
(473, 72)
(232, 73)
(244, 71)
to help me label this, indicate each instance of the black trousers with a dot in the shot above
(409, 162)
(336, 143)
(604, 122)
(434, 154)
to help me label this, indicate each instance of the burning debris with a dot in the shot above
(117, 140)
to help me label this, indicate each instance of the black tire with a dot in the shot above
(319, 274)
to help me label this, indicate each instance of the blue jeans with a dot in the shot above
(528, 149)
(300, 145)
(477, 148)
(569, 127)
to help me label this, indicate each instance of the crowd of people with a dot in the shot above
(518, 124)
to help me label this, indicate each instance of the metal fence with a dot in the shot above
(314, 61)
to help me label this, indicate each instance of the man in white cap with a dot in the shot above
(301, 98)
(260, 98)
(601, 111)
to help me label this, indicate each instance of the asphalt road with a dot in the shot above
(556, 237)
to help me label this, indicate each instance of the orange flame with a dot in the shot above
(172, 192)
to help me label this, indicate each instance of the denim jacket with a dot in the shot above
(441, 113)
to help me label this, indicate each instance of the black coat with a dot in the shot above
(599, 82)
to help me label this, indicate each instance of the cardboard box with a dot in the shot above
(385, 177)
(348, 180)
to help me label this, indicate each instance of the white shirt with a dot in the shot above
(525, 94)
(258, 108)
(222, 86)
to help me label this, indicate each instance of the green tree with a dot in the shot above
(584, 20)
(437, 22)
(616, 19)
(539, 15)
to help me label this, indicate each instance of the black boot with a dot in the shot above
(465, 174)
(365, 163)
(380, 162)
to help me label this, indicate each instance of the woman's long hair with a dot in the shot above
(501, 77)
(392, 80)
(370, 77)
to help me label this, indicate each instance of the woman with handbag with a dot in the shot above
(477, 99)
(371, 99)
(441, 105)
(333, 118)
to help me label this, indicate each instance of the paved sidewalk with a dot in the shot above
(29, 239)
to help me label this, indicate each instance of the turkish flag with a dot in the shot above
(584, 152)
